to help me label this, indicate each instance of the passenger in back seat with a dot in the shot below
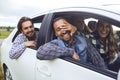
(104, 41)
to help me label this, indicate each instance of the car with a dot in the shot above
(29, 67)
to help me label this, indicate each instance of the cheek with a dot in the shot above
(32, 29)
(58, 34)
(25, 31)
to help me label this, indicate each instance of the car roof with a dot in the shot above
(111, 11)
(114, 8)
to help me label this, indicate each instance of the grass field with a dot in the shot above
(4, 33)
(1, 74)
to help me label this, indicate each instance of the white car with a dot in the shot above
(28, 67)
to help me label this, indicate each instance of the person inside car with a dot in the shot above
(52, 49)
(104, 41)
(68, 45)
(26, 38)
(82, 28)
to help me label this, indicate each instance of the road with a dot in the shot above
(1, 41)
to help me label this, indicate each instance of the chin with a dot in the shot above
(67, 40)
(103, 36)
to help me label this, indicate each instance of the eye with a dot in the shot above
(58, 29)
(107, 26)
(25, 28)
(31, 26)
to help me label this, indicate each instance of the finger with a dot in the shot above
(34, 45)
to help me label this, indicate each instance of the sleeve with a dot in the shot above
(51, 51)
(94, 57)
(17, 48)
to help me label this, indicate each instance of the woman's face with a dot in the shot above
(103, 30)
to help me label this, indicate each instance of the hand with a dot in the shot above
(73, 30)
(70, 28)
(75, 56)
(30, 43)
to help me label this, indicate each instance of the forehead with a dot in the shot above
(26, 24)
(60, 21)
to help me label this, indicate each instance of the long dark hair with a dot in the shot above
(112, 45)
(23, 19)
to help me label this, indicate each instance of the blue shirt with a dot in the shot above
(79, 46)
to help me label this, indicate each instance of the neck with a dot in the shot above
(71, 42)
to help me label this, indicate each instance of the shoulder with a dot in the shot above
(20, 37)
(54, 42)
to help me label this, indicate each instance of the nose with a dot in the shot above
(102, 27)
(29, 29)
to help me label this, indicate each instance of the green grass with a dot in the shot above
(4, 33)
(1, 74)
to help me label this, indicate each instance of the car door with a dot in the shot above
(24, 67)
(59, 69)
(67, 68)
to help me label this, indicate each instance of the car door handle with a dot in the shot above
(44, 70)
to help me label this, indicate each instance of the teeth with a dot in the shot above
(104, 33)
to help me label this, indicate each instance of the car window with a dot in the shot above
(37, 25)
(17, 33)
(87, 17)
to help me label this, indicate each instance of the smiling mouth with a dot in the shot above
(30, 32)
(104, 32)
(66, 32)
(66, 35)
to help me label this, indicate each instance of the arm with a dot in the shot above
(73, 30)
(94, 57)
(17, 48)
(51, 51)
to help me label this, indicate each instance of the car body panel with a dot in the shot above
(25, 63)
(59, 69)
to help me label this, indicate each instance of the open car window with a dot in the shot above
(37, 24)
(86, 18)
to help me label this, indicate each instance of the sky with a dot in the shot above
(12, 10)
